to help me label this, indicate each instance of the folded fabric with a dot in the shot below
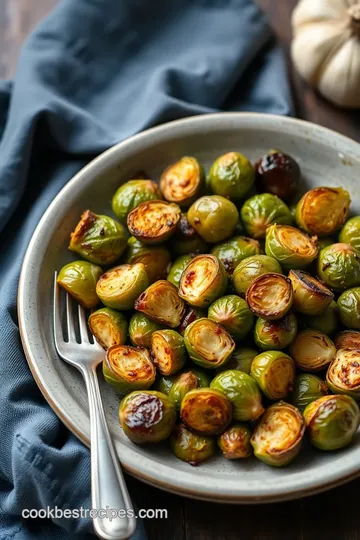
(93, 73)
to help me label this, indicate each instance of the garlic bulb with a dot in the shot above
(326, 48)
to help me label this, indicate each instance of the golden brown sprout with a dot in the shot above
(312, 350)
(206, 411)
(343, 375)
(270, 296)
(348, 339)
(311, 297)
(168, 351)
(182, 181)
(119, 287)
(153, 222)
(128, 368)
(235, 442)
(161, 303)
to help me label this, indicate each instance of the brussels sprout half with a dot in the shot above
(147, 416)
(332, 421)
(156, 259)
(339, 266)
(261, 211)
(153, 222)
(131, 194)
(141, 329)
(311, 297)
(343, 374)
(208, 344)
(161, 303)
(240, 360)
(349, 308)
(251, 268)
(79, 279)
(128, 368)
(350, 233)
(183, 181)
(312, 350)
(233, 251)
(307, 388)
(274, 371)
(279, 174)
(347, 339)
(191, 447)
(291, 247)
(119, 287)
(186, 240)
(235, 442)
(270, 296)
(328, 322)
(275, 335)
(214, 218)
(203, 281)
(231, 176)
(323, 210)
(109, 327)
(168, 351)
(233, 313)
(177, 268)
(206, 411)
(278, 435)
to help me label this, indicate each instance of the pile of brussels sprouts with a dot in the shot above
(229, 318)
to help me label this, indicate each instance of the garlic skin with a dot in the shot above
(326, 48)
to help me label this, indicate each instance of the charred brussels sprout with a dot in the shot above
(291, 247)
(232, 176)
(147, 416)
(161, 303)
(190, 447)
(343, 374)
(128, 368)
(279, 174)
(98, 239)
(168, 351)
(186, 240)
(242, 391)
(251, 268)
(233, 313)
(214, 218)
(141, 329)
(153, 222)
(312, 350)
(261, 211)
(307, 388)
(240, 360)
(339, 266)
(182, 385)
(278, 435)
(235, 442)
(332, 421)
(328, 322)
(183, 181)
(323, 210)
(79, 279)
(206, 411)
(350, 233)
(191, 314)
(156, 259)
(311, 297)
(274, 371)
(348, 339)
(233, 251)
(275, 335)
(131, 194)
(177, 268)
(208, 344)
(349, 308)
(163, 383)
(270, 296)
(109, 327)
(203, 281)
(119, 287)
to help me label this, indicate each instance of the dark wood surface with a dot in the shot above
(329, 516)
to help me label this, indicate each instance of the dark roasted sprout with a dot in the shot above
(328, 322)
(338, 266)
(233, 313)
(234, 442)
(343, 374)
(261, 211)
(274, 371)
(275, 335)
(168, 351)
(278, 173)
(141, 329)
(161, 303)
(109, 327)
(241, 359)
(350, 233)
(307, 388)
(251, 268)
(177, 268)
(231, 176)
(153, 222)
(270, 296)
(233, 251)
(349, 308)
(128, 368)
(191, 447)
(183, 181)
(156, 259)
(206, 411)
(131, 194)
(208, 344)
(119, 287)
(191, 314)
(323, 210)
(312, 350)
(214, 218)
(79, 279)
(311, 297)
(290, 247)
(347, 339)
(186, 241)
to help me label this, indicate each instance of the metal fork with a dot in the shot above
(108, 488)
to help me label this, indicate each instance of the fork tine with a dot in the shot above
(70, 319)
(58, 334)
(84, 337)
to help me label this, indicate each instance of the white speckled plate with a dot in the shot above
(325, 157)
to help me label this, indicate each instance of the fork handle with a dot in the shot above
(108, 488)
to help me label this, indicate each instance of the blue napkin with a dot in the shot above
(93, 73)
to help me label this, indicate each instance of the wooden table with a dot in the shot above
(330, 516)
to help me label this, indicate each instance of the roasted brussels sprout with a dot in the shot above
(156, 259)
(278, 435)
(168, 351)
(235, 442)
(339, 266)
(233, 313)
(242, 391)
(98, 239)
(270, 296)
(312, 350)
(275, 335)
(251, 268)
(261, 211)
(161, 303)
(274, 371)
(347, 339)
(323, 210)
(119, 287)
(191, 314)
(186, 240)
(232, 176)
(109, 327)
(307, 388)
(328, 322)
(233, 251)
(311, 297)
(177, 268)
(131, 194)
(240, 360)
(206, 411)
(163, 383)
(349, 308)
(79, 279)
(214, 218)
(343, 374)
(182, 385)
(147, 416)
(278, 173)
(291, 247)
(190, 447)
(141, 329)
(128, 368)
(203, 281)
(153, 222)
(332, 421)
(350, 233)
(208, 344)
(183, 181)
